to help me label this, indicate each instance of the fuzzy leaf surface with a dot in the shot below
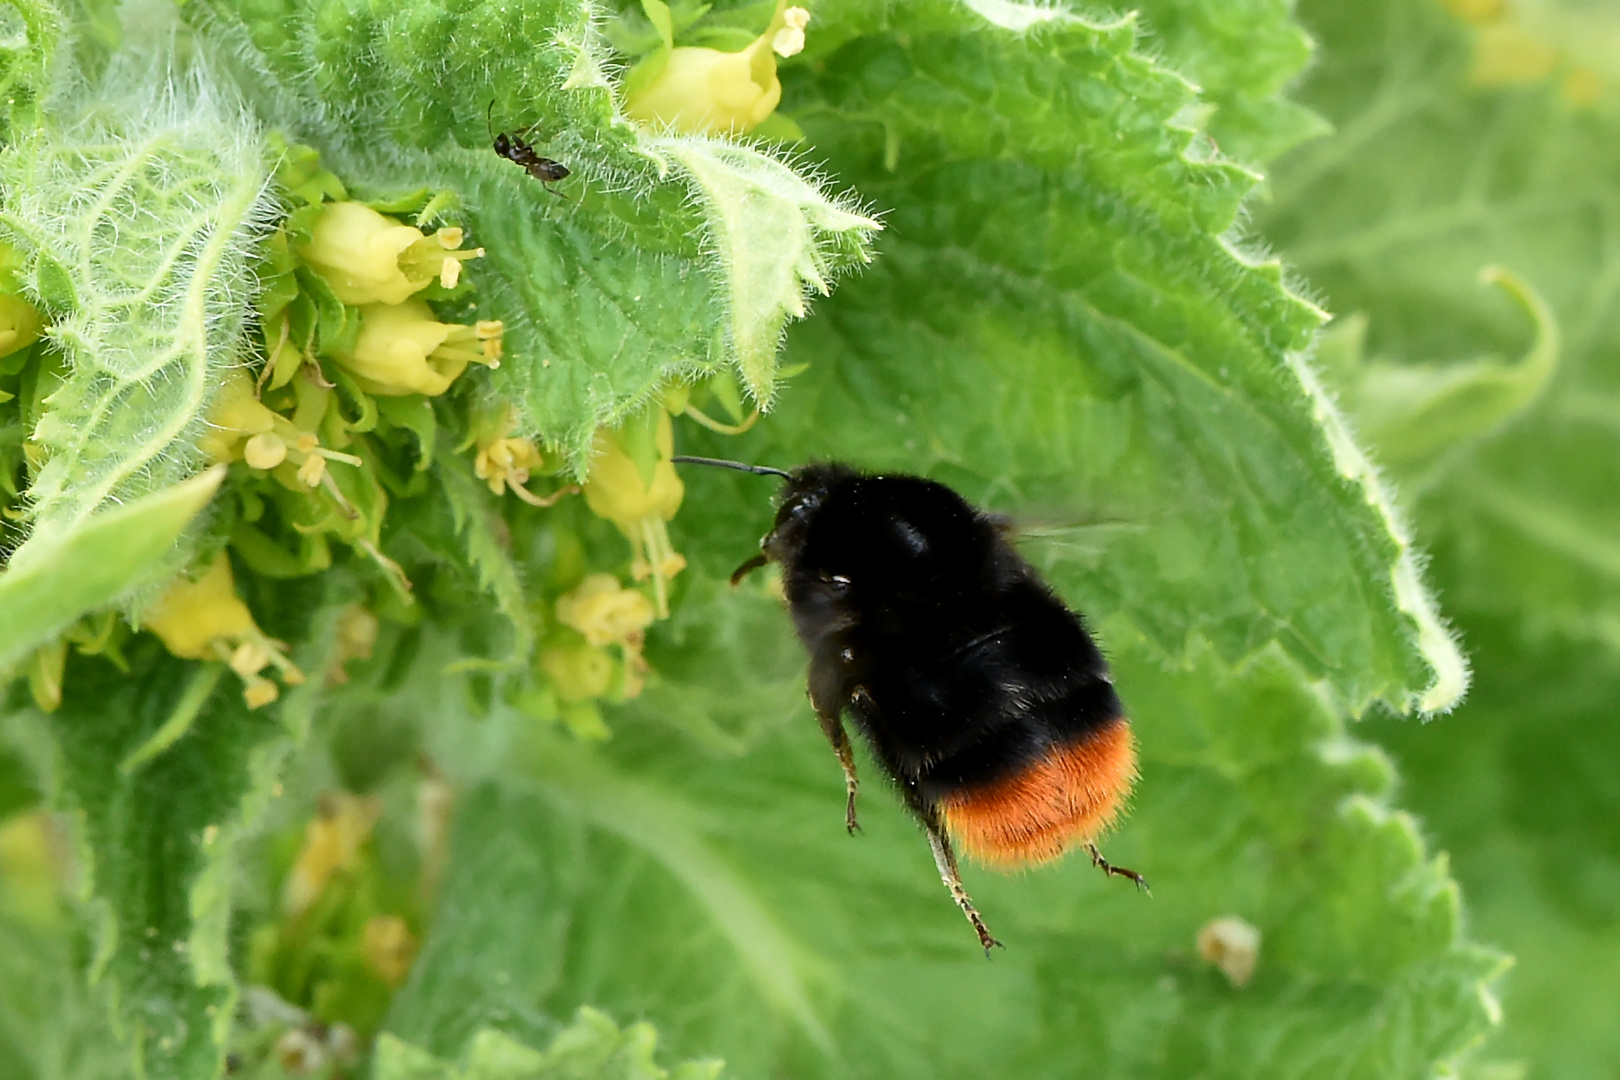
(136, 225)
(157, 841)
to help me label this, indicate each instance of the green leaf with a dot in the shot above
(149, 323)
(50, 1025)
(1063, 324)
(477, 524)
(29, 36)
(43, 590)
(1422, 417)
(748, 197)
(157, 840)
(593, 1048)
(1431, 183)
(1241, 56)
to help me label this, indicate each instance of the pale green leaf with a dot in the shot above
(43, 590)
(592, 1048)
(772, 233)
(157, 841)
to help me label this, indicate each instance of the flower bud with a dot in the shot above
(578, 672)
(235, 415)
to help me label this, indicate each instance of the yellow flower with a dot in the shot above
(206, 620)
(19, 324)
(605, 612)
(403, 349)
(506, 462)
(617, 492)
(367, 258)
(708, 92)
(332, 843)
(241, 428)
(389, 948)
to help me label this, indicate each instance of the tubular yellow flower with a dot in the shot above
(240, 427)
(506, 462)
(708, 92)
(206, 620)
(605, 612)
(616, 491)
(368, 258)
(403, 349)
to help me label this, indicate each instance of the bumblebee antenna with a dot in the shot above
(757, 470)
(489, 119)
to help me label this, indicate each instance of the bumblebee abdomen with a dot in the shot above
(1063, 797)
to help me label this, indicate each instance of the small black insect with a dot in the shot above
(979, 691)
(514, 148)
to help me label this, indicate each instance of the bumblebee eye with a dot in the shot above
(805, 505)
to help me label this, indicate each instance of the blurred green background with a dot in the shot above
(1489, 134)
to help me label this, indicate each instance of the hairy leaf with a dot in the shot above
(792, 948)
(136, 224)
(1065, 321)
(157, 841)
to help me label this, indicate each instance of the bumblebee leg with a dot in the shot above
(945, 859)
(833, 727)
(1116, 871)
(748, 568)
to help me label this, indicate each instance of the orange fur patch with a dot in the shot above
(1065, 798)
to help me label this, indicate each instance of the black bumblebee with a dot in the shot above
(980, 692)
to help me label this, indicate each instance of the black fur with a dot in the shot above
(924, 624)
